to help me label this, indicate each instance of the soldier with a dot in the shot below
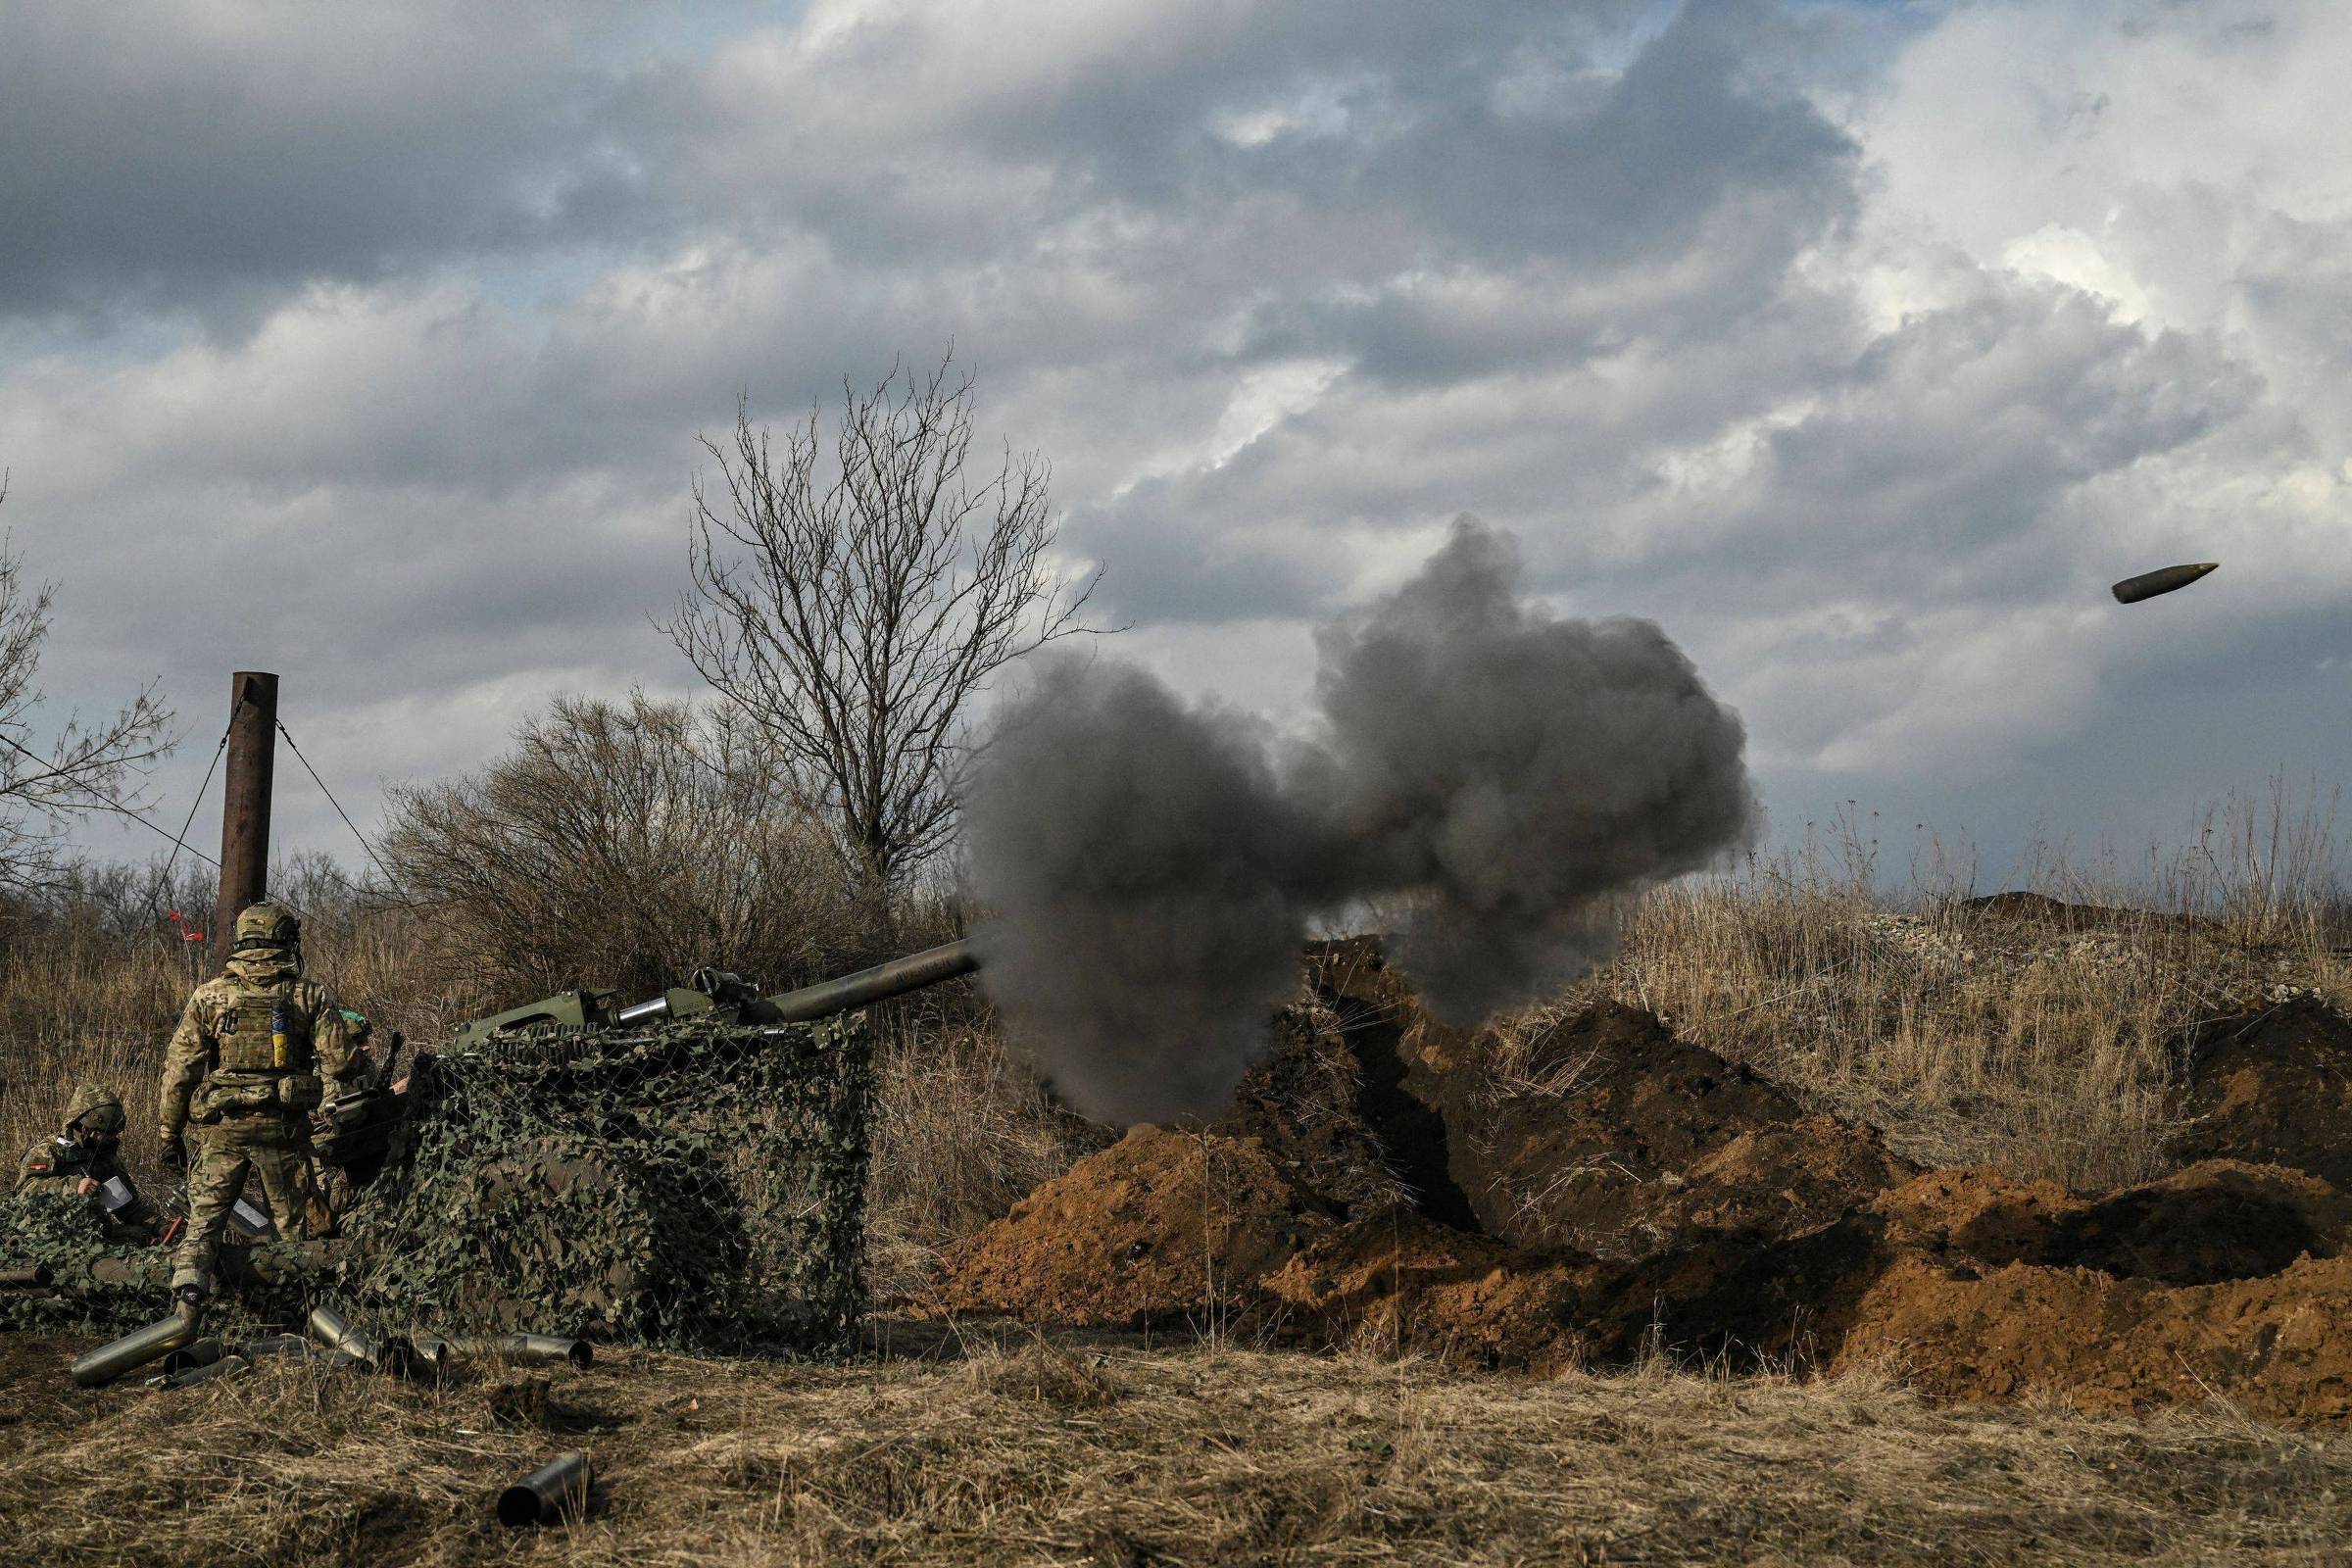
(86, 1151)
(351, 1128)
(244, 1069)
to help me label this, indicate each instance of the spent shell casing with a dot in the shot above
(558, 1490)
(136, 1350)
(194, 1353)
(227, 1366)
(542, 1347)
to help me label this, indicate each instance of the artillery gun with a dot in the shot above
(689, 1169)
(720, 993)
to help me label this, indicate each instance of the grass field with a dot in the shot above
(1108, 1451)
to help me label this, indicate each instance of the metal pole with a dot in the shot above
(245, 800)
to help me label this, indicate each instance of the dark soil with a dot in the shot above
(2274, 1088)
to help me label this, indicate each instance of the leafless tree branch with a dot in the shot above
(46, 785)
(851, 609)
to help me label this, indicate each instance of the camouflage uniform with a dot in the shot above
(88, 1146)
(244, 1069)
(329, 1189)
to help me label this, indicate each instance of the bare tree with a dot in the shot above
(851, 609)
(46, 785)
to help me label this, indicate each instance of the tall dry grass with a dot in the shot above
(2048, 1043)
(1098, 1449)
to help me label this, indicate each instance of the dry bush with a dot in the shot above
(961, 1133)
(625, 847)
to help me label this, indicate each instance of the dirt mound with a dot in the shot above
(2273, 1346)
(1603, 1190)
(1607, 1134)
(1396, 1282)
(2215, 1221)
(2274, 1088)
(1159, 1227)
(1631, 1142)
(1305, 1107)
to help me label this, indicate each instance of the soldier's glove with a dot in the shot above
(175, 1155)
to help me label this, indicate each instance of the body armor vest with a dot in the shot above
(265, 1031)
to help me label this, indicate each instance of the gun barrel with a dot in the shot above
(868, 986)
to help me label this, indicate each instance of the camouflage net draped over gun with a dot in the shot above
(696, 1184)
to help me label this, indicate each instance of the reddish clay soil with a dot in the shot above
(2273, 1346)
(2213, 1222)
(1161, 1227)
(1395, 1280)
(1623, 1190)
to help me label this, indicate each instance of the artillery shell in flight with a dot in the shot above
(2148, 584)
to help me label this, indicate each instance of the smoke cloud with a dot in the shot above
(1154, 866)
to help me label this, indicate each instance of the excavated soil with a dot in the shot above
(1162, 1227)
(2274, 1088)
(1641, 1143)
(1382, 1184)
(2273, 1346)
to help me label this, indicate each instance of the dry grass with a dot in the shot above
(1104, 1452)
(2045, 1049)
(961, 1133)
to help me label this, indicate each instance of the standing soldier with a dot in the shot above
(86, 1153)
(244, 1069)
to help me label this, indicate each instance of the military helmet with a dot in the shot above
(267, 925)
(96, 1110)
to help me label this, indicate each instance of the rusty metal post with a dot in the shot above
(245, 800)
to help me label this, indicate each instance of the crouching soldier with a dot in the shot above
(241, 1078)
(85, 1155)
(353, 1128)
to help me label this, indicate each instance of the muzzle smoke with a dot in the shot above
(1501, 773)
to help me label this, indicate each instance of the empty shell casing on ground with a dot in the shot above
(333, 1330)
(33, 1277)
(558, 1490)
(293, 1344)
(542, 1347)
(135, 1349)
(227, 1366)
(194, 1353)
(2148, 584)
(433, 1356)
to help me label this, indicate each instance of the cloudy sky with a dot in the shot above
(1861, 345)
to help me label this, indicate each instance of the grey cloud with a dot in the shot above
(160, 156)
(1630, 313)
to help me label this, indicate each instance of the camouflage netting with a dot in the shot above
(690, 1183)
(97, 1287)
